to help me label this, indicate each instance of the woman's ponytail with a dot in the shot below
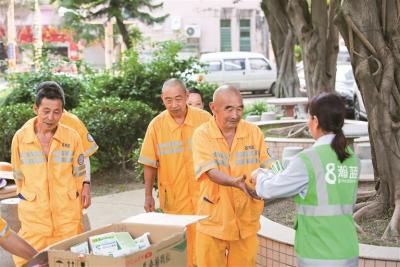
(339, 144)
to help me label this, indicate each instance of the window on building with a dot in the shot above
(245, 35)
(259, 64)
(226, 35)
(234, 64)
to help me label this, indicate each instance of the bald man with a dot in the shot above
(167, 154)
(226, 150)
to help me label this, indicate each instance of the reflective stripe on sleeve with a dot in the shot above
(304, 262)
(78, 168)
(205, 166)
(91, 150)
(147, 161)
(18, 175)
(79, 173)
(4, 231)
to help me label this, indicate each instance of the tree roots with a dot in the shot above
(393, 228)
(371, 210)
(365, 196)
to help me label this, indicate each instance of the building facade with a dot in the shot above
(212, 25)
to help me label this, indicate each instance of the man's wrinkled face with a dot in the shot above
(228, 110)
(194, 100)
(174, 99)
(49, 113)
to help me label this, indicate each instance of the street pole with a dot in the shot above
(11, 42)
(37, 35)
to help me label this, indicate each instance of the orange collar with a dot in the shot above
(30, 135)
(215, 132)
(189, 120)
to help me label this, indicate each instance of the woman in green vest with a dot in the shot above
(324, 181)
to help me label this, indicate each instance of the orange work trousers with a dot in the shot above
(214, 252)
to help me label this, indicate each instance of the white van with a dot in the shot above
(245, 70)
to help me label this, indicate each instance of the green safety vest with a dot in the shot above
(325, 231)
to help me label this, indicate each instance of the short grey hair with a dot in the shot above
(173, 82)
(224, 89)
(50, 90)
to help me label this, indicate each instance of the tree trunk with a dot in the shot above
(318, 38)
(371, 31)
(283, 41)
(124, 32)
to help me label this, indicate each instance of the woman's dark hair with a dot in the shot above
(196, 91)
(330, 110)
(49, 90)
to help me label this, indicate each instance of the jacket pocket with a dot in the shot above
(73, 194)
(26, 195)
(167, 197)
(73, 210)
(30, 210)
(210, 205)
(257, 208)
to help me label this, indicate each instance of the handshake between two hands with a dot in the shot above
(249, 185)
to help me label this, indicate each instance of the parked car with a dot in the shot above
(346, 87)
(343, 55)
(359, 108)
(245, 70)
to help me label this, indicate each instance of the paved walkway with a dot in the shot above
(116, 207)
(103, 211)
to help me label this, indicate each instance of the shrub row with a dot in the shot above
(116, 106)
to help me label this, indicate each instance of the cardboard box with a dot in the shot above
(167, 237)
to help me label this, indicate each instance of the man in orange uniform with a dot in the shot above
(11, 242)
(167, 154)
(89, 145)
(49, 169)
(225, 152)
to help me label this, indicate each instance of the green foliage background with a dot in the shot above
(116, 106)
(23, 85)
(12, 117)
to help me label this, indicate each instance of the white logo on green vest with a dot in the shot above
(330, 176)
(345, 174)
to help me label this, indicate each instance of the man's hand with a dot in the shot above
(239, 182)
(255, 173)
(252, 193)
(17, 246)
(149, 204)
(40, 260)
(260, 172)
(86, 198)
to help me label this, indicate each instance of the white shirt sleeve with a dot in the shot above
(87, 165)
(292, 181)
